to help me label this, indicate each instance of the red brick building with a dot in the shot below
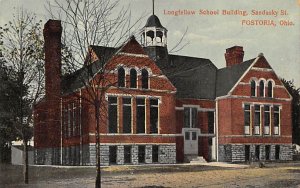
(160, 108)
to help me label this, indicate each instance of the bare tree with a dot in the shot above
(86, 23)
(22, 50)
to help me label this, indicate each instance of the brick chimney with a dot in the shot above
(234, 55)
(52, 36)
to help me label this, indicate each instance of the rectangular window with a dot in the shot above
(194, 136)
(247, 115)
(140, 115)
(155, 153)
(74, 119)
(267, 120)
(257, 119)
(276, 120)
(141, 154)
(187, 136)
(211, 126)
(126, 115)
(69, 121)
(190, 117)
(247, 152)
(268, 151)
(257, 152)
(112, 114)
(112, 154)
(127, 154)
(65, 121)
(153, 116)
(277, 152)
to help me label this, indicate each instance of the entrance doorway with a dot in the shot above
(191, 141)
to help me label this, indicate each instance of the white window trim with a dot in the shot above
(158, 114)
(269, 112)
(273, 86)
(131, 116)
(250, 123)
(255, 81)
(264, 89)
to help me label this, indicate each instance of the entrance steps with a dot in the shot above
(195, 159)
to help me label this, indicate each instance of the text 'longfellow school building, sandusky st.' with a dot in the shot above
(160, 107)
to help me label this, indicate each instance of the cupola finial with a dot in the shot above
(152, 7)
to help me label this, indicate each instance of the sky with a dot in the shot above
(208, 36)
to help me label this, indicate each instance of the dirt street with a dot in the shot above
(273, 175)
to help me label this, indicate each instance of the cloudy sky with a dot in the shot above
(209, 35)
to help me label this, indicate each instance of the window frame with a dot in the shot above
(133, 78)
(145, 79)
(262, 88)
(152, 107)
(121, 80)
(267, 113)
(253, 88)
(139, 107)
(192, 117)
(270, 89)
(124, 106)
(257, 114)
(247, 127)
(112, 104)
(276, 112)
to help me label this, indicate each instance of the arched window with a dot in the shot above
(133, 76)
(253, 88)
(145, 77)
(270, 89)
(121, 77)
(261, 88)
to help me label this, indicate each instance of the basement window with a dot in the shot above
(112, 154)
(141, 154)
(155, 153)
(127, 154)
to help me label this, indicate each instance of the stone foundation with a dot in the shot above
(236, 152)
(73, 155)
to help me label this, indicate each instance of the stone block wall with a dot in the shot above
(167, 154)
(148, 156)
(286, 152)
(236, 152)
(120, 155)
(73, 156)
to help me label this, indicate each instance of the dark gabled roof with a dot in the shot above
(153, 21)
(193, 77)
(103, 51)
(80, 78)
(227, 77)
